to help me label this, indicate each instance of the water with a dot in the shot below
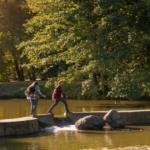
(68, 138)
(21, 108)
(57, 129)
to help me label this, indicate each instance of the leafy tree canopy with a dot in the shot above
(106, 36)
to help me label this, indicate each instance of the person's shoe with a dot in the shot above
(50, 112)
(34, 115)
(31, 114)
(68, 111)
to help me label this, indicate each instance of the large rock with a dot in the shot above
(91, 122)
(114, 119)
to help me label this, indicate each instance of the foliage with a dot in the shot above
(12, 16)
(64, 35)
(5, 69)
(109, 37)
(127, 42)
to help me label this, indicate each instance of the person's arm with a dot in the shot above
(26, 92)
(37, 88)
(63, 94)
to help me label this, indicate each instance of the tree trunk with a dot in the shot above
(17, 69)
(106, 89)
(14, 77)
(97, 84)
(29, 74)
(19, 72)
(33, 76)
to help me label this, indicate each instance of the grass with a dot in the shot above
(17, 89)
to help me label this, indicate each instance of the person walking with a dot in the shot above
(59, 96)
(32, 93)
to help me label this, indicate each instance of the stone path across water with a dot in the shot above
(18, 126)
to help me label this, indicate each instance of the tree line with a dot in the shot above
(102, 41)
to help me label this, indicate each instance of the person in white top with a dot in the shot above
(32, 93)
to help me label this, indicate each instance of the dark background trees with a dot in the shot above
(12, 17)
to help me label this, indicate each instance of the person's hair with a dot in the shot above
(60, 81)
(31, 88)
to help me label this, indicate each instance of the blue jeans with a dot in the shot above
(63, 100)
(34, 103)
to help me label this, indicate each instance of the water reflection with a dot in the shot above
(21, 108)
(67, 138)
(108, 140)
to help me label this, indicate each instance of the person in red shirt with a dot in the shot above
(59, 95)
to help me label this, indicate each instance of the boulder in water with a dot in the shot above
(91, 122)
(114, 119)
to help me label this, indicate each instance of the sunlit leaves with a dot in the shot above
(106, 36)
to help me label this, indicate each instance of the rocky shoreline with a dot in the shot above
(138, 147)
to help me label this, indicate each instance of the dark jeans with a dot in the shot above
(34, 103)
(63, 100)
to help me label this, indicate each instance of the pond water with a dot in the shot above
(21, 108)
(68, 138)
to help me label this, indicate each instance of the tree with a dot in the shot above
(5, 69)
(62, 32)
(12, 16)
(106, 37)
(127, 42)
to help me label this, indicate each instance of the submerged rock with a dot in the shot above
(91, 122)
(114, 119)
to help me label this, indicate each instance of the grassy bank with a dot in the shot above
(14, 90)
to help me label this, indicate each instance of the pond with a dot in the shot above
(68, 138)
